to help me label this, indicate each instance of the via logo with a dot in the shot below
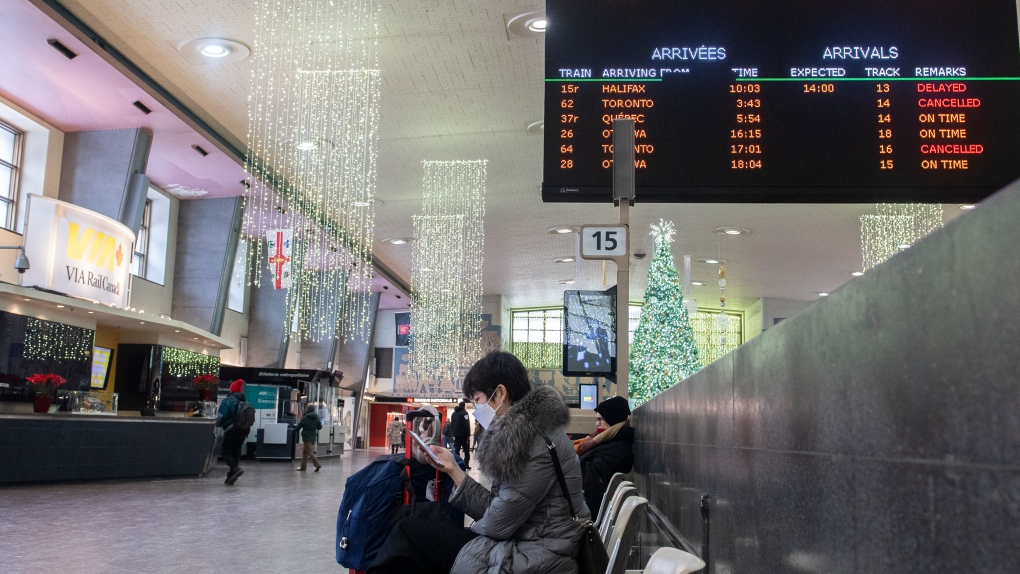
(95, 247)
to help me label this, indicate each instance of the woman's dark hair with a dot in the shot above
(497, 368)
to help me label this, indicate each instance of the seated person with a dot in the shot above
(608, 450)
(523, 523)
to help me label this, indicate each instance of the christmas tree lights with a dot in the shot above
(664, 351)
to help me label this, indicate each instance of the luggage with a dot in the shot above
(374, 501)
(390, 488)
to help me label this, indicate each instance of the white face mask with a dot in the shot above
(485, 413)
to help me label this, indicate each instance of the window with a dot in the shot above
(142, 242)
(537, 335)
(10, 160)
(537, 338)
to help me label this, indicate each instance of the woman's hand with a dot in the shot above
(450, 465)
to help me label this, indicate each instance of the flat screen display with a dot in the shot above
(589, 396)
(589, 336)
(784, 100)
(101, 359)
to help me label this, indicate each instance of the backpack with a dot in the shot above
(368, 510)
(373, 503)
(244, 416)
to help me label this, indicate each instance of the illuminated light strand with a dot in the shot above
(188, 364)
(446, 272)
(51, 341)
(714, 337)
(894, 228)
(312, 154)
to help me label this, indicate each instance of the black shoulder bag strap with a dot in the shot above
(563, 481)
(591, 556)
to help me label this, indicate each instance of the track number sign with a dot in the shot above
(603, 241)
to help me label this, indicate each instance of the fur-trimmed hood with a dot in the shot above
(506, 446)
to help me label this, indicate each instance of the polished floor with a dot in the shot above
(274, 519)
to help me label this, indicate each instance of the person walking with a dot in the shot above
(233, 417)
(477, 435)
(309, 426)
(460, 428)
(448, 433)
(396, 435)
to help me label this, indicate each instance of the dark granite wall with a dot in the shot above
(877, 431)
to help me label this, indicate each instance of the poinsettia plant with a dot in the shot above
(45, 384)
(206, 382)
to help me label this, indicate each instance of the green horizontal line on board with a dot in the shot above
(632, 80)
(957, 79)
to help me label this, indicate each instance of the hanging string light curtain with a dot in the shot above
(895, 227)
(446, 270)
(312, 147)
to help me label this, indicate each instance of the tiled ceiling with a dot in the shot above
(456, 87)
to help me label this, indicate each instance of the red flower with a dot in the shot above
(50, 379)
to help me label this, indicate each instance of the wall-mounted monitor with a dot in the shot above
(588, 395)
(799, 101)
(589, 333)
(102, 358)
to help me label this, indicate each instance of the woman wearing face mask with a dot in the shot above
(523, 523)
(608, 450)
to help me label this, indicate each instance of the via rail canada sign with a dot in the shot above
(77, 252)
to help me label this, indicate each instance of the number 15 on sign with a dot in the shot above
(603, 241)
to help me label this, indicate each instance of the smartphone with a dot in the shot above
(428, 451)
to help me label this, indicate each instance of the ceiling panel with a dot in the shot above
(454, 86)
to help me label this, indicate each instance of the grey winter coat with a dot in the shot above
(524, 523)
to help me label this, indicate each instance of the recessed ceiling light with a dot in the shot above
(711, 261)
(202, 51)
(733, 230)
(566, 281)
(398, 240)
(195, 338)
(968, 207)
(561, 230)
(904, 246)
(362, 203)
(525, 25)
(567, 259)
(307, 145)
(857, 273)
(823, 294)
(60, 306)
(177, 330)
(698, 283)
(536, 128)
(27, 299)
(215, 50)
(91, 312)
(142, 322)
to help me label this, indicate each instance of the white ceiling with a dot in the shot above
(456, 87)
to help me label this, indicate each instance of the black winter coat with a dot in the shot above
(459, 426)
(600, 463)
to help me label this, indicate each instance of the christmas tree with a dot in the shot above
(664, 352)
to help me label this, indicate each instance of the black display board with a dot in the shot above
(784, 100)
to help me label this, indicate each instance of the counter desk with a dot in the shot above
(64, 446)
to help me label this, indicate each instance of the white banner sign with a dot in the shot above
(280, 242)
(78, 252)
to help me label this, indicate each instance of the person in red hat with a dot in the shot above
(235, 430)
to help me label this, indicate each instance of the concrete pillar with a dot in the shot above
(104, 171)
(205, 259)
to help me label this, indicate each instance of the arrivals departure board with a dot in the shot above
(832, 101)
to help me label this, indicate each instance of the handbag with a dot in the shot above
(592, 557)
